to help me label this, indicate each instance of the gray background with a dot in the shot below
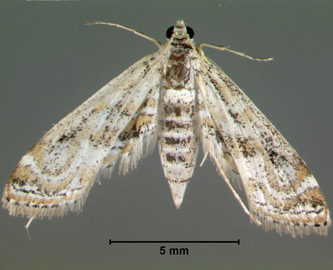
(51, 62)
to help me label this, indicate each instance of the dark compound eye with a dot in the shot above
(189, 31)
(169, 32)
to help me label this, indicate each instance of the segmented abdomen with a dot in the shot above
(177, 139)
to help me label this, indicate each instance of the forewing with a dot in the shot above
(281, 192)
(57, 173)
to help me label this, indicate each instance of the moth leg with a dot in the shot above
(27, 226)
(28, 223)
(203, 160)
(252, 217)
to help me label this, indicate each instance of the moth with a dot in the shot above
(180, 99)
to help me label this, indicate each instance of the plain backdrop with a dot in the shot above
(51, 62)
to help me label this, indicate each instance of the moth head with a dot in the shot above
(180, 31)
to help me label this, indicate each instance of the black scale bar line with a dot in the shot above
(175, 242)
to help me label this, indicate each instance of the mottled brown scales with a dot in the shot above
(150, 102)
(170, 157)
(172, 125)
(173, 141)
(142, 120)
(302, 171)
(247, 114)
(178, 111)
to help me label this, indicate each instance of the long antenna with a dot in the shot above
(158, 44)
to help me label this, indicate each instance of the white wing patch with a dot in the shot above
(179, 98)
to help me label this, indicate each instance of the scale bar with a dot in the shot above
(175, 242)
